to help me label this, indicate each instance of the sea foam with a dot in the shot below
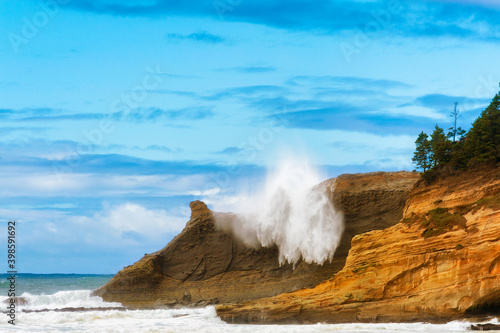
(63, 299)
(291, 212)
(201, 320)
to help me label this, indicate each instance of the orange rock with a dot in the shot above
(403, 274)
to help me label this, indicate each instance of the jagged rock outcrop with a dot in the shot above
(441, 262)
(205, 264)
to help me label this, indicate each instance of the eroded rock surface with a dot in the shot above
(207, 265)
(441, 262)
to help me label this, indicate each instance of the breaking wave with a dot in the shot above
(293, 213)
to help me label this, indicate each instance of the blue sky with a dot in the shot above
(116, 114)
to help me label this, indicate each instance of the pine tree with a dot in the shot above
(422, 152)
(440, 147)
(456, 132)
(483, 140)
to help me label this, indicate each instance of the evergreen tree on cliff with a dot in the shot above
(483, 140)
(422, 152)
(440, 147)
(456, 132)
(480, 146)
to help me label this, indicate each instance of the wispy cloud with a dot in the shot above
(44, 113)
(343, 102)
(352, 103)
(249, 69)
(201, 36)
(135, 114)
(152, 114)
(47, 183)
(258, 91)
(7, 130)
(440, 101)
(350, 118)
(347, 82)
(230, 151)
(41, 151)
(123, 164)
(470, 19)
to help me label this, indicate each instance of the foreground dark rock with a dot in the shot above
(206, 265)
(485, 327)
(17, 300)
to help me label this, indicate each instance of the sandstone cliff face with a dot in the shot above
(370, 201)
(441, 262)
(207, 265)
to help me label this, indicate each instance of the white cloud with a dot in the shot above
(130, 217)
(209, 192)
(51, 227)
(31, 215)
(44, 184)
(416, 111)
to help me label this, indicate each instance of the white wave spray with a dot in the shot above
(293, 213)
(63, 299)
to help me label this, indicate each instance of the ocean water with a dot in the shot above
(62, 303)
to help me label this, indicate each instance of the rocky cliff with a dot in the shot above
(441, 262)
(207, 265)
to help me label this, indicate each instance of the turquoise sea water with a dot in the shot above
(63, 303)
(47, 284)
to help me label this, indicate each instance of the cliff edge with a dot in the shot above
(207, 265)
(441, 262)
